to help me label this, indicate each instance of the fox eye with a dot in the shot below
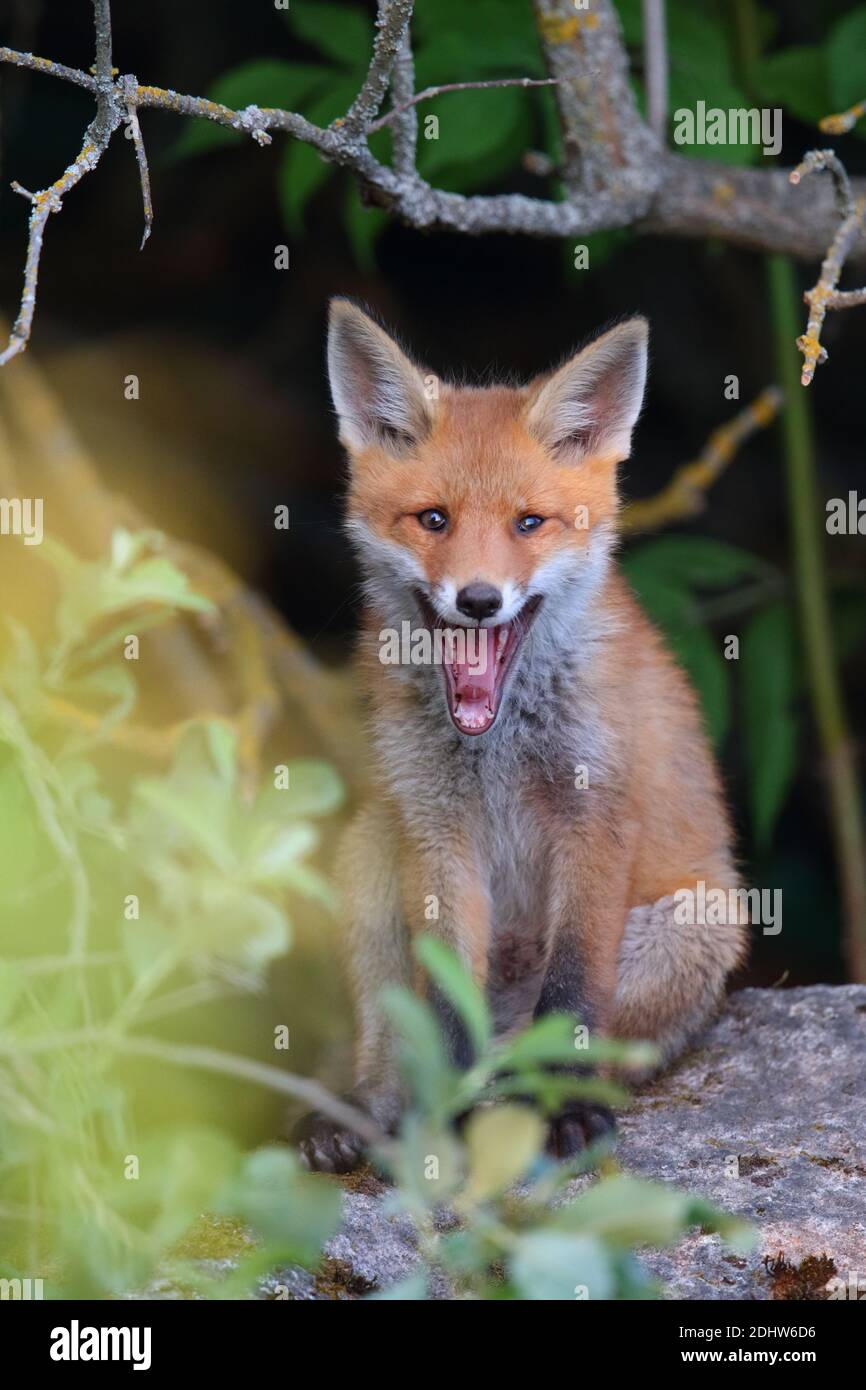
(525, 524)
(432, 519)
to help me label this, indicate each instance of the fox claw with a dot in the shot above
(577, 1126)
(326, 1147)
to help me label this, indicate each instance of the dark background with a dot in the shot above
(234, 415)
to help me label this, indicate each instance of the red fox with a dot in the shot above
(551, 792)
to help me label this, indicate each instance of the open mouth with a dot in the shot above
(476, 662)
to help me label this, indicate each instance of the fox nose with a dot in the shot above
(479, 601)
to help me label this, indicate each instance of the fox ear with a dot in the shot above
(590, 405)
(378, 394)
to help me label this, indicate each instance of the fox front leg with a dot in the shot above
(588, 911)
(443, 893)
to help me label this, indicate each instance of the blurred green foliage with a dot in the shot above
(123, 898)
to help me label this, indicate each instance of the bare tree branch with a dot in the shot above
(43, 203)
(403, 96)
(609, 153)
(392, 23)
(615, 171)
(430, 92)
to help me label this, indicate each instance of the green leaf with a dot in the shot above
(846, 60)
(487, 38)
(427, 1164)
(631, 18)
(624, 1211)
(314, 790)
(364, 225)
(701, 69)
(502, 1143)
(194, 816)
(700, 653)
(694, 562)
(293, 1210)
(551, 1040)
(264, 82)
(453, 979)
(246, 927)
(797, 79)
(481, 136)
(302, 169)
(545, 1042)
(548, 1265)
(431, 1079)
(93, 590)
(341, 32)
(769, 674)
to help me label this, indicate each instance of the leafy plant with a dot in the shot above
(478, 1234)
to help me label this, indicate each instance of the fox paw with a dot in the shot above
(577, 1126)
(325, 1146)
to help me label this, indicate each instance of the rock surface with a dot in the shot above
(767, 1117)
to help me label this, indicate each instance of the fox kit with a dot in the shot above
(548, 782)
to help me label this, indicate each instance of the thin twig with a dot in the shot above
(205, 1059)
(129, 87)
(51, 69)
(655, 48)
(846, 299)
(827, 159)
(843, 121)
(102, 27)
(825, 295)
(46, 201)
(430, 92)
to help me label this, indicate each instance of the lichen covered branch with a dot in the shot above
(615, 170)
(825, 295)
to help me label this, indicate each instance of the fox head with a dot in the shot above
(490, 508)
